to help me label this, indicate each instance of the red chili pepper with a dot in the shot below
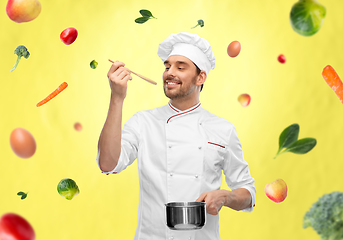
(69, 35)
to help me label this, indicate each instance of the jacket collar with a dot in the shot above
(174, 112)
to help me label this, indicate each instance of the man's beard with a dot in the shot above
(182, 92)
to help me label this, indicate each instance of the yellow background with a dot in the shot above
(106, 208)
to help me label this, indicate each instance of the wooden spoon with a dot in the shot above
(145, 78)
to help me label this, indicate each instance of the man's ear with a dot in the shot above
(201, 78)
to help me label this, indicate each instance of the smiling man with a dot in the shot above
(181, 148)
(180, 91)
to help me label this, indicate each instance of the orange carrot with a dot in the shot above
(53, 94)
(333, 80)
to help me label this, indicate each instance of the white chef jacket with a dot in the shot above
(180, 154)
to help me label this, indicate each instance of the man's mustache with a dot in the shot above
(172, 78)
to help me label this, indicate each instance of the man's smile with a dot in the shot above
(172, 83)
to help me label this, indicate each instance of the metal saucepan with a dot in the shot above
(185, 215)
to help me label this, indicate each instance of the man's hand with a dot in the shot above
(237, 199)
(118, 76)
(215, 200)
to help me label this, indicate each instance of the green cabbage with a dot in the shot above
(307, 16)
(67, 188)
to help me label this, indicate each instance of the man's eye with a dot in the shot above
(167, 68)
(180, 68)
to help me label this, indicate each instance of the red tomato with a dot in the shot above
(281, 58)
(15, 227)
(68, 35)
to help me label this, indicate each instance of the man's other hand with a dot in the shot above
(215, 200)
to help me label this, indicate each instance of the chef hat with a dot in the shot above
(191, 46)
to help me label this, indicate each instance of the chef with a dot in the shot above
(181, 148)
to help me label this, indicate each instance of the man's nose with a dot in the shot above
(171, 72)
(170, 76)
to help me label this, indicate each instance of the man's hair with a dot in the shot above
(198, 72)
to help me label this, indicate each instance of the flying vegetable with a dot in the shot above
(15, 227)
(307, 16)
(93, 64)
(200, 23)
(22, 194)
(67, 188)
(288, 140)
(326, 216)
(146, 15)
(21, 51)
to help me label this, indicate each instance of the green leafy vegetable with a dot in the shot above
(307, 16)
(200, 23)
(93, 64)
(288, 140)
(67, 188)
(141, 19)
(21, 51)
(302, 146)
(23, 195)
(326, 216)
(288, 136)
(146, 15)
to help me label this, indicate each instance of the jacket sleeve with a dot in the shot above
(129, 145)
(236, 169)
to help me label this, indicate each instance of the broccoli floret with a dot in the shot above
(200, 23)
(21, 51)
(326, 216)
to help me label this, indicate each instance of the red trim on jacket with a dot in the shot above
(173, 107)
(184, 112)
(216, 144)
